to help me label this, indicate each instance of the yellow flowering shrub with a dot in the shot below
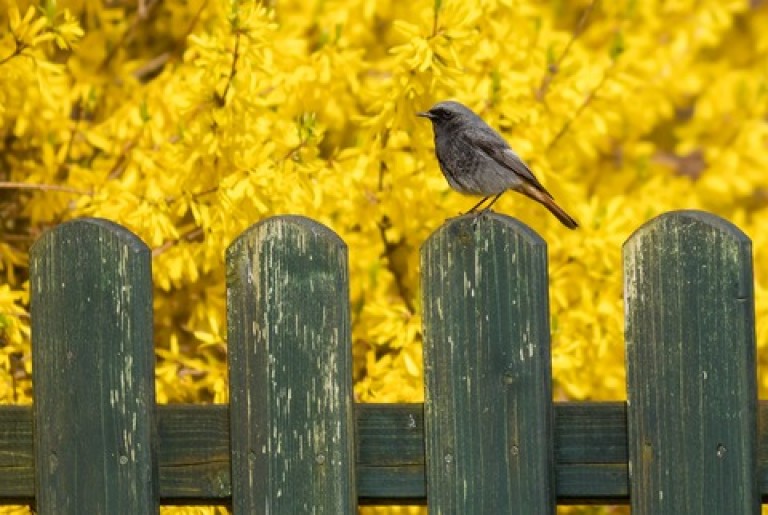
(188, 121)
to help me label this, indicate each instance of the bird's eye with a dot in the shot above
(443, 114)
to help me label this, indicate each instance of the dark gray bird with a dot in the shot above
(476, 160)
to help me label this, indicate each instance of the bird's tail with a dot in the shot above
(547, 201)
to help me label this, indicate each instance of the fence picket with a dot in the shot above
(290, 370)
(487, 362)
(94, 382)
(692, 437)
(691, 376)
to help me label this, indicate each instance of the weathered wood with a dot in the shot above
(390, 434)
(290, 370)
(488, 405)
(590, 449)
(691, 372)
(93, 360)
(194, 453)
(706, 272)
(17, 458)
(591, 453)
(390, 453)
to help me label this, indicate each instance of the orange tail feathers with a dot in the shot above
(547, 201)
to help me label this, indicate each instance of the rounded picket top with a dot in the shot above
(83, 231)
(688, 221)
(690, 242)
(297, 229)
(93, 253)
(476, 227)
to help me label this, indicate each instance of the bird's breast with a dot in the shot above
(469, 170)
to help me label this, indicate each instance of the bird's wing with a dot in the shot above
(498, 150)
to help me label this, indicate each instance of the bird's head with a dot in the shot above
(447, 113)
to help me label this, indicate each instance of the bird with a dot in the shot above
(476, 160)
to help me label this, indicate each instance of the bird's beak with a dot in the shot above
(425, 114)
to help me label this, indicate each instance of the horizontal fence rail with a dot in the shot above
(692, 437)
(590, 441)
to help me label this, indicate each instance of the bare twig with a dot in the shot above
(567, 125)
(119, 166)
(15, 314)
(436, 9)
(11, 238)
(141, 14)
(155, 64)
(555, 67)
(195, 19)
(43, 187)
(222, 99)
(187, 236)
(151, 67)
(20, 47)
(390, 248)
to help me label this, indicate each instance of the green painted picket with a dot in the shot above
(692, 437)
(487, 357)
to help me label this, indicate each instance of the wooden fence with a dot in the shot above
(489, 439)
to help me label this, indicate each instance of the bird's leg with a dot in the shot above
(488, 207)
(478, 205)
